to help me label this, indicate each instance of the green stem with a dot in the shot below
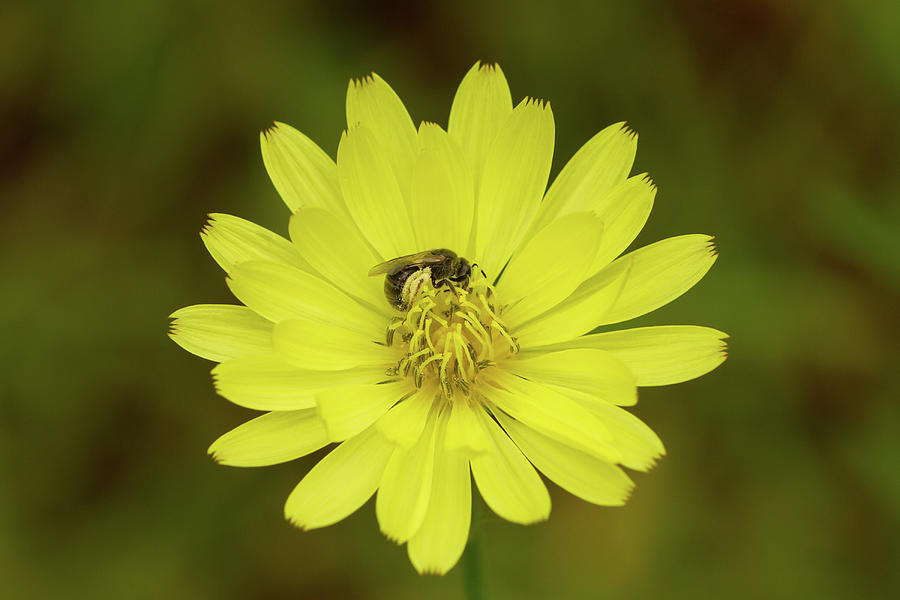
(473, 575)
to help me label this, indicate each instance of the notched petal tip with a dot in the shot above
(363, 81)
(212, 220)
(428, 125)
(627, 130)
(276, 132)
(296, 522)
(484, 67)
(723, 348)
(645, 178)
(649, 466)
(487, 66)
(431, 569)
(216, 381)
(625, 496)
(352, 128)
(539, 103)
(711, 246)
(214, 455)
(269, 132)
(392, 538)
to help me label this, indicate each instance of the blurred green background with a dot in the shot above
(773, 125)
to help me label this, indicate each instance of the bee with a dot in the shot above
(405, 275)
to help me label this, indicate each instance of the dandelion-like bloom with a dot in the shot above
(493, 372)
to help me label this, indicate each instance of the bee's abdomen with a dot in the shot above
(394, 282)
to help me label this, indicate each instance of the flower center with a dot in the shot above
(449, 334)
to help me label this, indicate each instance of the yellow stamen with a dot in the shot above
(448, 336)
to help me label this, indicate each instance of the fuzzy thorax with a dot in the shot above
(449, 335)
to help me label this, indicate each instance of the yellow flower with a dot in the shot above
(494, 374)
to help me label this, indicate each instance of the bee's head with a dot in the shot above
(462, 272)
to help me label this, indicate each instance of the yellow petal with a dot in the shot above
(349, 410)
(220, 331)
(513, 182)
(319, 346)
(635, 284)
(406, 421)
(301, 172)
(591, 371)
(623, 211)
(660, 355)
(333, 246)
(372, 102)
(507, 481)
(576, 315)
(406, 487)
(637, 444)
(231, 240)
(481, 106)
(441, 538)
(657, 274)
(278, 292)
(550, 267)
(465, 431)
(372, 194)
(273, 438)
(340, 483)
(443, 196)
(589, 478)
(268, 382)
(552, 413)
(598, 166)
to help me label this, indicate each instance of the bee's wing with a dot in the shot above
(388, 265)
(420, 258)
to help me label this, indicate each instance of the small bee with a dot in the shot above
(405, 275)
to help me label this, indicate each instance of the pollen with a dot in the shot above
(449, 335)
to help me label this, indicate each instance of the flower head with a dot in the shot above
(470, 349)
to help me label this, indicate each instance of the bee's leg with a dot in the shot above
(483, 274)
